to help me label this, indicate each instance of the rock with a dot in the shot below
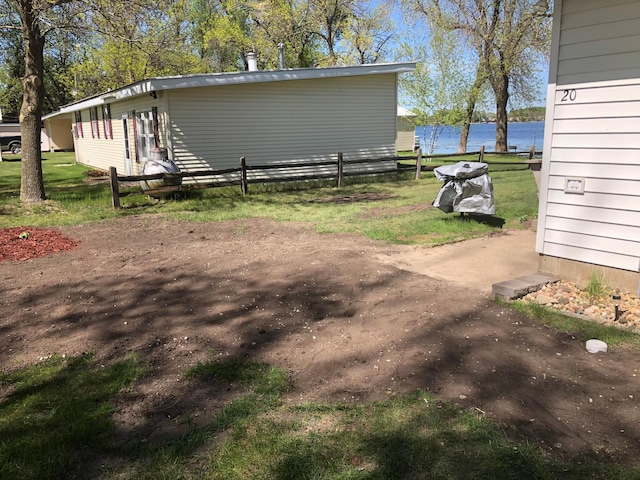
(545, 300)
(595, 346)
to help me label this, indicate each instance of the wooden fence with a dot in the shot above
(241, 175)
(531, 155)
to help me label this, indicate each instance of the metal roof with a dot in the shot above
(235, 78)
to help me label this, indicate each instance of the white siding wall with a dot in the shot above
(103, 153)
(406, 134)
(58, 133)
(599, 41)
(593, 133)
(311, 120)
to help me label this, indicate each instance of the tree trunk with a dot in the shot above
(32, 183)
(466, 127)
(502, 98)
(471, 107)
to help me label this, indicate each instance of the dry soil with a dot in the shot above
(351, 320)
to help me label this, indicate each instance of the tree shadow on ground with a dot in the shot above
(58, 417)
(346, 328)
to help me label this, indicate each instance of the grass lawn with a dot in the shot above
(56, 424)
(392, 208)
(55, 416)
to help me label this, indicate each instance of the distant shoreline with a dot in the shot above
(509, 122)
(522, 135)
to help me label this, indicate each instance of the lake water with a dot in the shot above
(521, 135)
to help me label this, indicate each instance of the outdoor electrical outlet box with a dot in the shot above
(574, 185)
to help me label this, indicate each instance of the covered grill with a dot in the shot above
(160, 163)
(467, 188)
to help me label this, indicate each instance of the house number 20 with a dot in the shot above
(568, 95)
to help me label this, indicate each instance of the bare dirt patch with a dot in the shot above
(348, 326)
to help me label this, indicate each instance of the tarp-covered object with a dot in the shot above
(467, 188)
(159, 163)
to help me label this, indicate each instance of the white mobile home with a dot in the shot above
(57, 133)
(589, 215)
(406, 130)
(209, 121)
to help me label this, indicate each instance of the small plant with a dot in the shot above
(597, 286)
(24, 235)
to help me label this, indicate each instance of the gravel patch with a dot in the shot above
(570, 299)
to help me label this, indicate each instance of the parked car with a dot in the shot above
(12, 144)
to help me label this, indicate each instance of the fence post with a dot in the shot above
(418, 163)
(532, 152)
(340, 170)
(481, 156)
(115, 187)
(244, 184)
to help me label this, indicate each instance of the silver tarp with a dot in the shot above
(159, 163)
(467, 188)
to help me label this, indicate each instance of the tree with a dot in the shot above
(222, 32)
(288, 23)
(508, 36)
(351, 30)
(59, 59)
(331, 17)
(135, 37)
(514, 31)
(312, 32)
(11, 71)
(30, 12)
(434, 89)
(369, 34)
(473, 97)
(425, 13)
(131, 42)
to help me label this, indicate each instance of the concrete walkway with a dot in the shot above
(479, 263)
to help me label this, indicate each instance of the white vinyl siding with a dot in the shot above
(58, 132)
(210, 121)
(598, 41)
(103, 153)
(301, 120)
(593, 129)
(99, 153)
(406, 134)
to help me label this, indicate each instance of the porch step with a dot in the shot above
(519, 287)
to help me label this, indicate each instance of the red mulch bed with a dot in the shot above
(23, 243)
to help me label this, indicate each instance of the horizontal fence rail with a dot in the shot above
(246, 174)
(532, 159)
